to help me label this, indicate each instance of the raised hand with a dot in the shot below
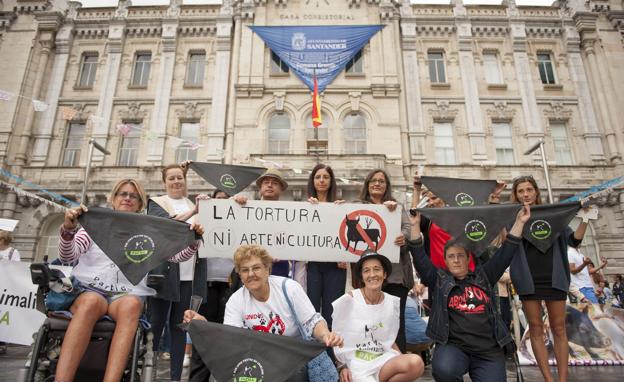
(71, 216)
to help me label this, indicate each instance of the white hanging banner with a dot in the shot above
(299, 230)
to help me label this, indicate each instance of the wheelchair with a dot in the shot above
(46, 348)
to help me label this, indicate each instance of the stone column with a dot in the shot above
(158, 123)
(234, 76)
(43, 134)
(474, 118)
(109, 77)
(220, 90)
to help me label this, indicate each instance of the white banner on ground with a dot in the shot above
(299, 230)
(19, 318)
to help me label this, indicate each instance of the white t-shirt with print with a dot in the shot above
(6, 254)
(583, 278)
(186, 267)
(272, 316)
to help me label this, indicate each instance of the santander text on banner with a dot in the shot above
(299, 230)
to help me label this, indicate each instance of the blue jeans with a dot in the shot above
(589, 294)
(415, 326)
(450, 363)
(326, 283)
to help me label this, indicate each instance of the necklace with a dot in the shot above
(370, 301)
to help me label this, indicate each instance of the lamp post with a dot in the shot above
(100, 148)
(540, 145)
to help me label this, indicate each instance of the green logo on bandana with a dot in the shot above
(139, 248)
(540, 229)
(248, 370)
(464, 200)
(475, 230)
(228, 181)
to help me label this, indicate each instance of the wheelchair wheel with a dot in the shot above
(35, 372)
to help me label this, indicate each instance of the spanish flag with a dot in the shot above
(316, 106)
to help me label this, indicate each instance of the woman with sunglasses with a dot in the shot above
(106, 289)
(378, 190)
(545, 277)
(326, 280)
(181, 280)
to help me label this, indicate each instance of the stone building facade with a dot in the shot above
(462, 89)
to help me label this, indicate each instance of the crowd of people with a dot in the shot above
(361, 311)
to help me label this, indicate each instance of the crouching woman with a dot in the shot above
(468, 332)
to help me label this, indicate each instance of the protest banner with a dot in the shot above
(19, 318)
(300, 231)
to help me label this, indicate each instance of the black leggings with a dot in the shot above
(160, 311)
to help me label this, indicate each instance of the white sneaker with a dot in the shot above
(187, 361)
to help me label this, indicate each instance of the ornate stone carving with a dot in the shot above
(189, 111)
(174, 8)
(558, 112)
(133, 112)
(278, 98)
(501, 112)
(355, 98)
(443, 112)
(122, 9)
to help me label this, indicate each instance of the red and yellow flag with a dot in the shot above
(316, 106)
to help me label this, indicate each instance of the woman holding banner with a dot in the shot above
(271, 304)
(114, 294)
(544, 277)
(326, 280)
(181, 280)
(378, 190)
(368, 320)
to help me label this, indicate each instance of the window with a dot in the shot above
(503, 143)
(317, 146)
(277, 65)
(491, 67)
(142, 65)
(546, 70)
(436, 67)
(195, 70)
(129, 147)
(88, 68)
(190, 133)
(355, 65)
(73, 142)
(354, 134)
(279, 134)
(563, 153)
(444, 146)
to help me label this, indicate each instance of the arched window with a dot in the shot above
(49, 238)
(354, 134)
(279, 134)
(314, 145)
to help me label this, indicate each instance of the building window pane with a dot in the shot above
(279, 134)
(546, 69)
(354, 134)
(563, 153)
(492, 69)
(444, 146)
(277, 65)
(73, 143)
(186, 151)
(129, 147)
(195, 70)
(436, 67)
(142, 65)
(355, 65)
(88, 69)
(503, 143)
(317, 145)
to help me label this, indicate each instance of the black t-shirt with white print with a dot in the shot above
(469, 325)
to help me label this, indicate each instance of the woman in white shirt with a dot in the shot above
(262, 306)
(181, 280)
(368, 320)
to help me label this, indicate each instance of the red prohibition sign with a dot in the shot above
(366, 235)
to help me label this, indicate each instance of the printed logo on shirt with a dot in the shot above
(139, 248)
(475, 230)
(228, 181)
(471, 302)
(464, 200)
(273, 324)
(248, 370)
(540, 229)
(371, 348)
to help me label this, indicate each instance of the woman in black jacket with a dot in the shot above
(469, 334)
